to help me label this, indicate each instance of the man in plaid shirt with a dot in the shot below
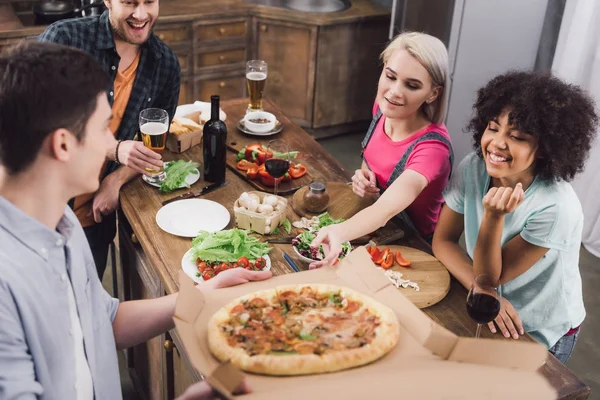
(145, 74)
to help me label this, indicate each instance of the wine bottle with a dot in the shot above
(214, 141)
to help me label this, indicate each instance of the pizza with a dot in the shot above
(302, 329)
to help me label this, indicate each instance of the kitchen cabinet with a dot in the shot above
(290, 50)
(321, 76)
(211, 54)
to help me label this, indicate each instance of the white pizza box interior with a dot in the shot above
(198, 112)
(429, 361)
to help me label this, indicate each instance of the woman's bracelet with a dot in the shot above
(117, 152)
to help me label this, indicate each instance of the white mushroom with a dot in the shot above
(253, 204)
(244, 199)
(255, 197)
(271, 200)
(265, 209)
(281, 204)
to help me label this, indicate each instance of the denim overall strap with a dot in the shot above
(399, 168)
(369, 134)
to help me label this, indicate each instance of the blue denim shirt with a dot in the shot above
(37, 356)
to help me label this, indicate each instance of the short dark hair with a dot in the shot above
(561, 115)
(44, 87)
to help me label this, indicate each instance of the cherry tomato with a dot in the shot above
(260, 263)
(243, 262)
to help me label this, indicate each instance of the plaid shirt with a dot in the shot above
(158, 74)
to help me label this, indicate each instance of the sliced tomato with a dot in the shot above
(297, 170)
(403, 262)
(243, 262)
(206, 276)
(368, 248)
(245, 165)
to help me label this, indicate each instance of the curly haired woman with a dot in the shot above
(521, 218)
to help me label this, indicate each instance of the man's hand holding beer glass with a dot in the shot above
(154, 125)
(133, 154)
(256, 78)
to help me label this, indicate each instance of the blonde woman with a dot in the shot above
(407, 154)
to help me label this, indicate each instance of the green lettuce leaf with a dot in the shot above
(228, 245)
(176, 173)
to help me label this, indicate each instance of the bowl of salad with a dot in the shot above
(301, 245)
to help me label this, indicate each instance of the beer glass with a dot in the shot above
(154, 125)
(256, 78)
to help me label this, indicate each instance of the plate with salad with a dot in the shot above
(178, 175)
(213, 253)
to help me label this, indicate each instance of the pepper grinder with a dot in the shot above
(316, 197)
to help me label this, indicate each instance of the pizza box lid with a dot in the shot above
(426, 353)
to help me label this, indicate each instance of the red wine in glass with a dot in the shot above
(279, 162)
(483, 300)
(483, 308)
(277, 167)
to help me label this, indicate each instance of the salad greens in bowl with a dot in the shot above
(301, 245)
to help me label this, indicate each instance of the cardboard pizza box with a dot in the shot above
(429, 361)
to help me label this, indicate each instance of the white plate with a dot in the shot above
(278, 128)
(188, 264)
(189, 180)
(188, 217)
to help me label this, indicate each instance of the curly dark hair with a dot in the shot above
(560, 115)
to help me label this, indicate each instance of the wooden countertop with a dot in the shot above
(188, 10)
(140, 202)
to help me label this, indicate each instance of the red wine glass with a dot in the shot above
(483, 300)
(278, 161)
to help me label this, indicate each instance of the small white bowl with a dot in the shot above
(260, 127)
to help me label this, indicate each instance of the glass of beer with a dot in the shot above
(154, 125)
(256, 77)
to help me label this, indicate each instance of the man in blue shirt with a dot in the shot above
(59, 329)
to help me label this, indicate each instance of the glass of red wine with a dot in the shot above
(483, 300)
(279, 163)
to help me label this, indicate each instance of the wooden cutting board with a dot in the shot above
(343, 203)
(283, 189)
(431, 276)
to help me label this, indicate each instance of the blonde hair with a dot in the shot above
(431, 53)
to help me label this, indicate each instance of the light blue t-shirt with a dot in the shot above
(548, 295)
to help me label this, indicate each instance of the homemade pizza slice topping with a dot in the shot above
(300, 322)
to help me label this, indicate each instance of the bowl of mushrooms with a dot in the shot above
(259, 212)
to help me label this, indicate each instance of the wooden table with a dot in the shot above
(152, 258)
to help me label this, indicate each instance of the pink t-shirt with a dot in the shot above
(430, 158)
